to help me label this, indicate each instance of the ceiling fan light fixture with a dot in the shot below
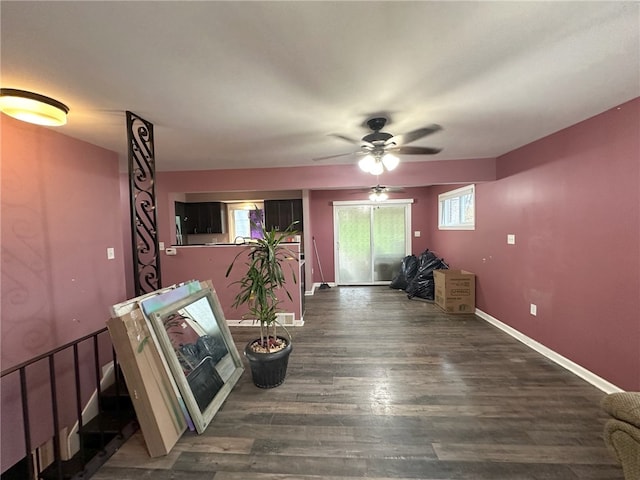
(376, 164)
(366, 163)
(33, 107)
(390, 161)
(377, 168)
(378, 196)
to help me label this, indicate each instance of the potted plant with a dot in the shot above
(263, 279)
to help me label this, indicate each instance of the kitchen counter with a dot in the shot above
(291, 244)
(210, 262)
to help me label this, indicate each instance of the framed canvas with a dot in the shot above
(201, 354)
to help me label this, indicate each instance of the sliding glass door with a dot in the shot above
(371, 239)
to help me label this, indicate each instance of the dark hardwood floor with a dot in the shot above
(382, 387)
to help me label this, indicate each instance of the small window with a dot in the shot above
(456, 209)
(241, 216)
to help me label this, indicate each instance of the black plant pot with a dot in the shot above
(268, 370)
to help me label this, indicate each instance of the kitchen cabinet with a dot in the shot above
(279, 214)
(205, 217)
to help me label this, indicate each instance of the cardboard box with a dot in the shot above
(159, 411)
(455, 291)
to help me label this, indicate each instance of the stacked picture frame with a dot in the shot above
(178, 359)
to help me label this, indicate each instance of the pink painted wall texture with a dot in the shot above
(60, 212)
(572, 200)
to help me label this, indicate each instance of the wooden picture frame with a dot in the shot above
(203, 359)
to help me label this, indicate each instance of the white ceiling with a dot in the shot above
(260, 84)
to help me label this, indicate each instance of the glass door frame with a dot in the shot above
(336, 253)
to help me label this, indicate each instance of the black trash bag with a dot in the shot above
(422, 285)
(408, 270)
(410, 267)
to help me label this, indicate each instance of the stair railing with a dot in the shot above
(30, 467)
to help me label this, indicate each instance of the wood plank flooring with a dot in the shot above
(383, 387)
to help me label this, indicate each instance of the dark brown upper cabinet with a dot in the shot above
(279, 214)
(205, 217)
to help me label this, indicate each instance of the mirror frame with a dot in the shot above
(201, 417)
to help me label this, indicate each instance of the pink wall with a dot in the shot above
(317, 176)
(60, 212)
(572, 200)
(313, 177)
(329, 178)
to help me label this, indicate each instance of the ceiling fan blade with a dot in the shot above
(383, 188)
(415, 150)
(363, 144)
(413, 135)
(350, 140)
(332, 156)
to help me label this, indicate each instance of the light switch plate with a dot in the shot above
(416, 233)
(533, 309)
(511, 239)
(161, 245)
(111, 253)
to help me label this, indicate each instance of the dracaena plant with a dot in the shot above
(264, 278)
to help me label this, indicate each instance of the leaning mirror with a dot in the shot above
(198, 347)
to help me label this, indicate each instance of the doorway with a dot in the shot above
(370, 240)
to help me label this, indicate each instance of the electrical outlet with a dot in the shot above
(533, 309)
(161, 245)
(111, 253)
(511, 239)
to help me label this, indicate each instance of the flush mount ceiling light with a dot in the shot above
(32, 107)
(375, 164)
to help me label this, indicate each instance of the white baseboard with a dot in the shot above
(289, 322)
(564, 362)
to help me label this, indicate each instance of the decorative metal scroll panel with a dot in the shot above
(144, 234)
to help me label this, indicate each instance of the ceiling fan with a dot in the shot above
(377, 148)
(379, 193)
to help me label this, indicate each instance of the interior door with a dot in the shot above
(371, 239)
